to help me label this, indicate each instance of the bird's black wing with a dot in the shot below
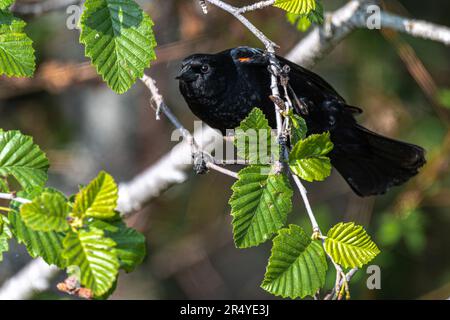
(315, 81)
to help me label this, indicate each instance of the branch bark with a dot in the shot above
(342, 22)
(34, 277)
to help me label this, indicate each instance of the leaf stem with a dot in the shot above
(6, 209)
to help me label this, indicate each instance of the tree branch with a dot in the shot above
(340, 23)
(12, 197)
(169, 170)
(416, 28)
(34, 277)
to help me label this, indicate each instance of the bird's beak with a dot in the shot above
(186, 74)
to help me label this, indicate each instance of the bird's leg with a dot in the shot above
(200, 162)
(203, 162)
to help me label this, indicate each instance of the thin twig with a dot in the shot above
(12, 197)
(235, 12)
(161, 107)
(220, 169)
(256, 6)
(303, 192)
(348, 277)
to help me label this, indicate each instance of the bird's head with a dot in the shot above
(205, 76)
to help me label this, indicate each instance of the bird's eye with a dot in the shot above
(204, 68)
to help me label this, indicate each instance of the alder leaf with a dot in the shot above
(4, 4)
(296, 6)
(260, 204)
(297, 266)
(253, 139)
(16, 50)
(48, 212)
(45, 244)
(118, 38)
(22, 159)
(130, 244)
(350, 246)
(93, 253)
(308, 158)
(5, 235)
(98, 199)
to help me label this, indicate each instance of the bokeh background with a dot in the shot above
(84, 127)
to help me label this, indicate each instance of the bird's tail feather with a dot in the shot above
(371, 163)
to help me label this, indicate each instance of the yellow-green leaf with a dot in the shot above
(296, 6)
(48, 212)
(98, 199)
(5, 235)
(350, 246)
(93, 253)
(5, 3)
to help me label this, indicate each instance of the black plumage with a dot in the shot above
(221, 89)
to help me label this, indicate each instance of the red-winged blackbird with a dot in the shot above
(221, 89)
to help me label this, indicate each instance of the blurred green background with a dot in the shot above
(84, 127)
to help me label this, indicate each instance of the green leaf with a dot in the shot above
(130, 248)
(296, 6)
(93, 253)
(298, 128)
(119, 40)
(47, 245)
(390, 231)
(48, 212)
(350, 246)
(98, 199)
(4, 4)
(260, 204)
(301, 22)
(22, 159)
(297, 266)
(5, 235)
(444, 97)
(16, 49)
(308, 158)
(253, 138)
(4, 185)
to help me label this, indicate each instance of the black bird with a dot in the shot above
(221, 89)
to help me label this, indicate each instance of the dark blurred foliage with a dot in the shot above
(84, 127)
